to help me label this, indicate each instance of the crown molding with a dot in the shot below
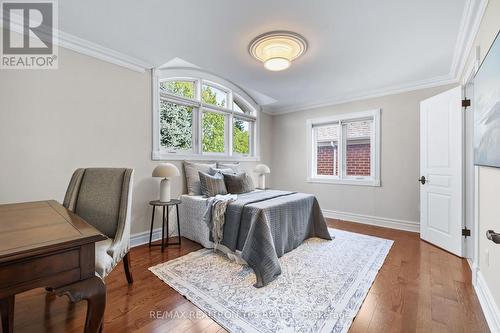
(471, 20)
(100, 52)
(263, 110)
(88, 48)
(393, 90)
(470, 23)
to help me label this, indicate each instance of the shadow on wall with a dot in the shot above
(141, 213)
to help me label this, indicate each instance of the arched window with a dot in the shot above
(202, 117)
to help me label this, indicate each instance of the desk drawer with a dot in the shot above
(13, 274)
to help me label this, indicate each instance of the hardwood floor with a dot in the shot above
(420, 288)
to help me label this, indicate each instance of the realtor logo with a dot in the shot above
(29, 35)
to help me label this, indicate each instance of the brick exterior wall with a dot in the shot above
(325, 160)
(358, 160)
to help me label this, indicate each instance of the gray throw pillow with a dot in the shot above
(193, 178)
(212, 185)
(238, 183)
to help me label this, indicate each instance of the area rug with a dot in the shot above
(321, 288)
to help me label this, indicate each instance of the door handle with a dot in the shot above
(493, 236)
(422, 180)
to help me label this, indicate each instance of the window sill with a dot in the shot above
(164, 156)
(356, 182)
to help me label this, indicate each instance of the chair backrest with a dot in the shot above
(100, 197)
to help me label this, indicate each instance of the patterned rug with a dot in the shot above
(321, 288)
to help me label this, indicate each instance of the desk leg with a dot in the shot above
(94, 291)
(7, 313)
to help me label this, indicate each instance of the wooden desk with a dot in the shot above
(42, 244)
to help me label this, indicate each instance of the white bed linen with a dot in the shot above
(191, 216)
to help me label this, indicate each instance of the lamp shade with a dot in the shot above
(166, 170)
(262, 169)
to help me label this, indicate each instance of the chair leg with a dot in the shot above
(126, 264)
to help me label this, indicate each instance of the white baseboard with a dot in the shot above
(141, 238)
(471, 265)
(474, 270)
(373, 220)
(490, 308)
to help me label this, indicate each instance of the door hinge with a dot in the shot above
(465, 103)
(466, 232)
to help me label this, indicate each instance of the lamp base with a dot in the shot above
(262, 181)
(165, 190)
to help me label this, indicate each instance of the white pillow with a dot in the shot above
(191, 170)
(233, 166)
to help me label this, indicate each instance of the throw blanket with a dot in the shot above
(216, 214)
(264, 225)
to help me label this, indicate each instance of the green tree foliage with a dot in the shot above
(176, 122)
(240, 137)
(181, 88)
(209, 96)
(213, 124)
(213, 132)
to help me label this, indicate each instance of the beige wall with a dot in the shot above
(86, 113)
(489, 178)
(398, 197)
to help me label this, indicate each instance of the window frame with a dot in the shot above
(341, 120)
(182, 79)
(199, 108)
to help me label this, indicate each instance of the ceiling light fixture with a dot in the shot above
(277, 49)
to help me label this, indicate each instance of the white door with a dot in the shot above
(441, 162)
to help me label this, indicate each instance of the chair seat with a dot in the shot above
(104, 263)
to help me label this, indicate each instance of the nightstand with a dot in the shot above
(166, 207)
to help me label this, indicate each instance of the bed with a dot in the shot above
(191, 212)
(260, 226)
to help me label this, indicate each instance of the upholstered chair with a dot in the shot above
(103, 198)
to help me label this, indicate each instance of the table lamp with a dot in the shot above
(165, 171)
(262, 169)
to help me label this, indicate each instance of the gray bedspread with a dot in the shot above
(264, 225)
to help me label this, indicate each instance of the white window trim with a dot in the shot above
(341, 178)
(159, 154)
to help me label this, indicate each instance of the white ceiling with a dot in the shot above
(356, 47)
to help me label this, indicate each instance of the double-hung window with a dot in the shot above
(345, 149)
(201, 119)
